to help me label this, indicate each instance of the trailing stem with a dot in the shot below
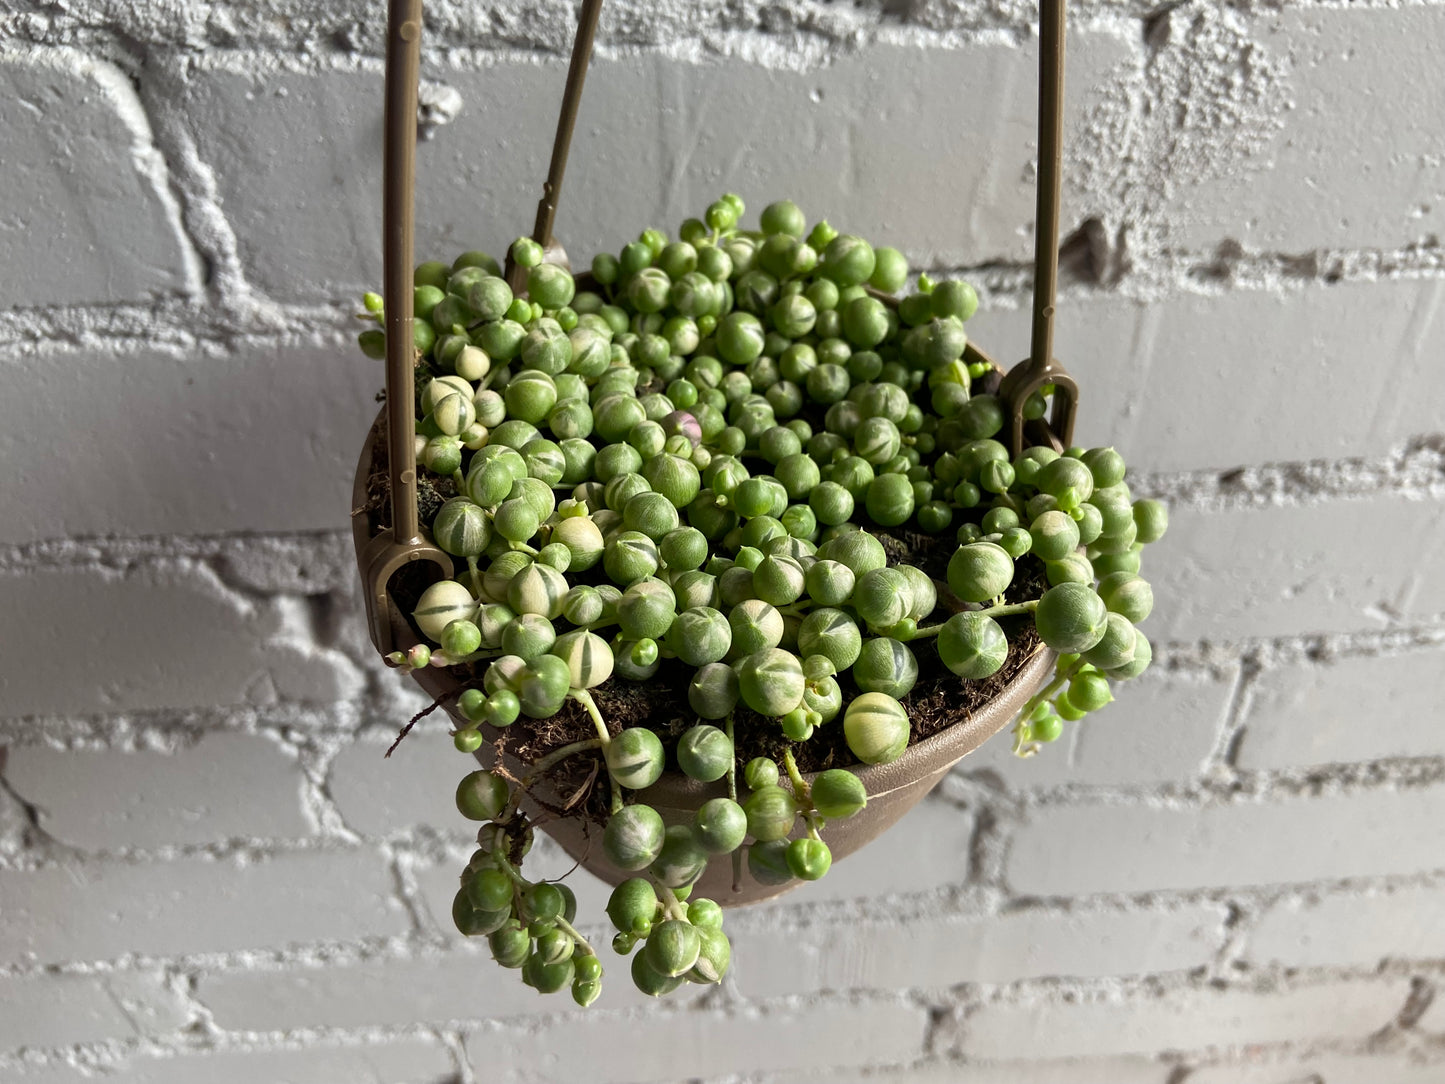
(802, 793)
(733, 794)
(672, 907)
(583, 697)
(556, 756)
(1022, 746)
(1001, 610)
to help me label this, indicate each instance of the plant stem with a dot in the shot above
(732, 764)
(510, 870)
(803, 794)
(583, 945)
(1021, 747)
(733, 794)
(672, 907)
(1004, 610)
(447, 660)
(992, 611)
(583, 697)
(800, 788)
(559, 755)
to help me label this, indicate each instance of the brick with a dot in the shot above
(1339, 171)
(1189, 1019)
(103, 910)
(946, 950)
(1341, 929)
(1396, 1068)
(1080, 849)
(463, 985)
(1161, 380)
(672, 1046)
(1303, 573)
(928, 849)
(90, 215)
(68, 1009)
(415, 786)
(951, 1071)
(1426, 592)
(1062, 1071)
(1330, 713)
(296, 157)
(313, 563)
(1160, 728)
(224, 787)
(397, 1061)
(458, 986)
(154, 1001)
(160, 635)
(1433, 1019)
(184, 445)
(437, 885)
(13, 822)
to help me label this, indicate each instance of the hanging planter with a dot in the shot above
(713, 558)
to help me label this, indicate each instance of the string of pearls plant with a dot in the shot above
(691, 460)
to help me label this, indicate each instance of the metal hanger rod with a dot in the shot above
(403, 61)
(1051, 142)
(567, 121)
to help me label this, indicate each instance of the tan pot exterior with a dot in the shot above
(893, 789)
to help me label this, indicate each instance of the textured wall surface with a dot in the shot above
(1234, 875)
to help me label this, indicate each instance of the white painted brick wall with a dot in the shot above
(951, 950)
(214, 446)
(1161, 728)
(1373, 833)
(62, 1010)
(90, 216)
(403, 1061)
(958, 1071)
(1362, 708)
(1231, 876)
(667, 1046)
(932, 853)
(1346, 168)
(1187, 1019)
(1299, 569)
(378, 795)
(255, 651)
(226, 786)
(1332, 1069)
(1342, 929)
(830, 132)
(1432, 1021)
(433, 989)
(1049, 1071)
(1304, 354)
(186, 906)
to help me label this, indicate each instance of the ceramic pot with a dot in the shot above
(893, 789)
